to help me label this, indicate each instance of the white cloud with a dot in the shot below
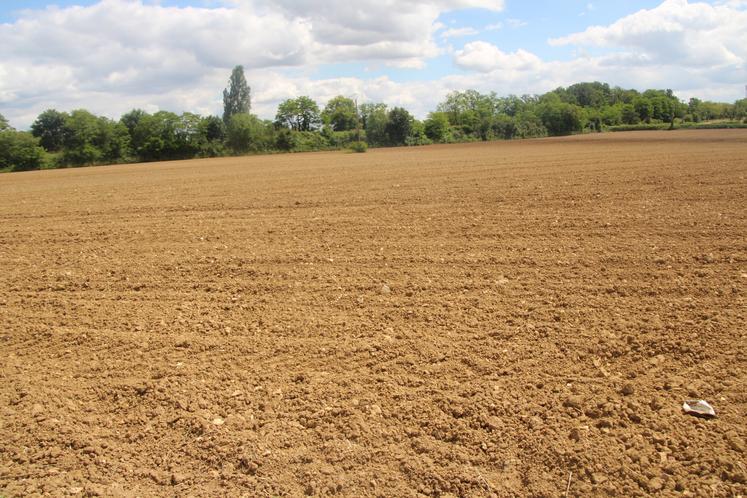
(485, 57)
(694, 34)
(459, 32)
(516, 23)
(372, 29)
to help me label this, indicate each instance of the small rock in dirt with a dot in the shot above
(654, 484)
(94, 490)
(234, 419)
(157, 477)
(737, 477)
(375, 410)
(535, 422)
(628, 389)
(218, 421)
(385, 289)
(494, 423)
(575, 434)
(573, 402)
(252, 468)
(37, 409)
(735, 442)
(656, 404)
(177, 478)
(598, 478)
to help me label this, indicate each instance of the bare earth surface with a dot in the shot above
(508, 319)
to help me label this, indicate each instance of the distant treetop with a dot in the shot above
(237, 97)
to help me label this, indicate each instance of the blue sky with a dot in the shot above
(112, 55)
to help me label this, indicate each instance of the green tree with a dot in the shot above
(49, 128)
(740, 109)
(471, 111)
(190, 135)
(81, 135)
(399, 125)
(593, 119)
(629, 114)
(158, 137)
(374, 118)
(212, 135)
(131, 119)
(595, 94)
(612, 114)
(115, 145)
(621, 96)
(300, 114)
(512, 105)
(247, 133)
(694, 109)
(644, 109)
(89, 139)
(504, 127)
(341, 114)
(437, 126)
(214, 128)
(20, 151)
(285, 140)
(237, 97)
(529, 125)
(4, 125)
(560, 118)
(417, 134)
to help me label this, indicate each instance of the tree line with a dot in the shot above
(80, 138)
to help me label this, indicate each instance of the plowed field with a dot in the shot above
(503, 319)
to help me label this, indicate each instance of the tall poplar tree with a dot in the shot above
(237, 97)
(4, 125)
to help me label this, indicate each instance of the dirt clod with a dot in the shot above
(654, 485)
(574, 402)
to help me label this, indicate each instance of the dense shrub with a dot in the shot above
(437, 126)
(342, 139)
(20, 151)
(640, 127)
(309, 141)
(248, 133)
(359, 147)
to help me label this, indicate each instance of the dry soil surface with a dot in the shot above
(503, 319)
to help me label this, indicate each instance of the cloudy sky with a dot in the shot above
(110, 56)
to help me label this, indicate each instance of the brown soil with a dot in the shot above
(508, 319)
